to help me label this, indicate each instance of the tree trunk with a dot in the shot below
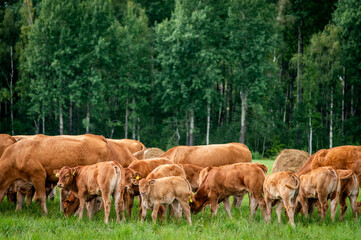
(187, 129)
(71, 118)
(352, 107)
(111, 132)
(11, 90)
(244, 96)
(208, 123)
(138, 138)
(191, 129)
(264, 146)
(310, 137)
(331, 115)
(87, 118)
(37, 127)
(343, 102)
(126, 119)
(299, 53)
(43, 110)
(134, 121)
(61, 123)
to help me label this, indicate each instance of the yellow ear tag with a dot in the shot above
(73, 173)
(137, 178)
(57, 175)
(190, 199)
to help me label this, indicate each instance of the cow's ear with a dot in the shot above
(152, 181)
(56, 172)
(73, 171)
(137, 175)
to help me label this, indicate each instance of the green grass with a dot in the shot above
(30, 224)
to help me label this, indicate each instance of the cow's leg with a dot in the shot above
(91, 207)
(279, 206)
(29, 196)
(120, 204)
(214, 203)
(81, 205)
(155, 211)
(237, 200)
(260, 201)
(343, 205)
(140, 209)
(177, 210)
(290, 208)
(107, 205)
(144, 213)
(353, 204)
(333, 205)
(130, 202)
(304, 204)
(268, 202)
(116, 197)
(51, 195)
(227, 206)
(185, 206)
(38, 180)
(20, 201)
(253, 204)
(323, 206)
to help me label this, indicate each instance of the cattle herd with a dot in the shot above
(90, 170)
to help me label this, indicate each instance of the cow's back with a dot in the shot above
(210, 155)
(5, 141)
(57, 151)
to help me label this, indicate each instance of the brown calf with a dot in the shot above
(350, 189)
(137, 170)
(164, 191)
(281, 188)
(319, 184)
(222, 182)
(105, 179)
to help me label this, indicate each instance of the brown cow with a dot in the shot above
(167, 170)
(71, 205)
(210, 155)
(281, 188)
(86, 182)
(350, 189)
(343, 157)
(236, 179)
(135, 147)
(135, 171)
(5, 141)
(192, 173)
(164, 191)
(319, 185)
(35, 160)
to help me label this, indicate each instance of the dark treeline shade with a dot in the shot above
(271, 74)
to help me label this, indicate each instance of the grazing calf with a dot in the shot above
(350, 189)
(281, 188)
(319, 184)
(192, 174)
(137, 170)
(101, 179)
(165, 191)
(71, 205)
(222, 182)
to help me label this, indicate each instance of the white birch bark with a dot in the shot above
(244, 96)
(208, 123)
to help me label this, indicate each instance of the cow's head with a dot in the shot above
(198, 201)
(70, 205)
(136, 177)
(66, 176)
(145, 185)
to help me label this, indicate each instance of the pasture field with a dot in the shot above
(30, 224)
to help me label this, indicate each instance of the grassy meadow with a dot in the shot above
(30, 224)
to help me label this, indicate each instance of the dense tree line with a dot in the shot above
(271, 74)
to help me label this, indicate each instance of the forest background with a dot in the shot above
(271, 74)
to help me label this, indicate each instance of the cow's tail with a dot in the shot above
(189, 185)
(140, 152)
(297, 180)
(263, 167)
(347, 176)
